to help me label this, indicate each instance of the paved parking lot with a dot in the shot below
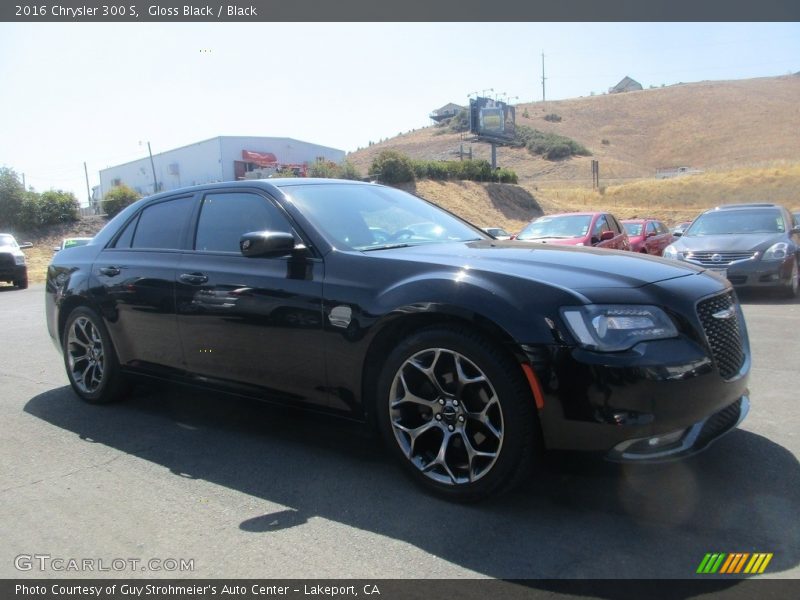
(247, 491)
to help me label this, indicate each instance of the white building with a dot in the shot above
(224, 158)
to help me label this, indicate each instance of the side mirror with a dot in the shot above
(651, 234)
(25, 245)
(56, 248)
(677, 233)
(606, 235)
(266, 243)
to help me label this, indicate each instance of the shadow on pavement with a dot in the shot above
(574, 519)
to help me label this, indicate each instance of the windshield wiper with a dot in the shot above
(387, 247)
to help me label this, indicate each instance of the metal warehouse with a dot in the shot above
(223, 158)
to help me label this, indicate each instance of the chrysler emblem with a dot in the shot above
(726, 313)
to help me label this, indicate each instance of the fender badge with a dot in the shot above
(340, 316)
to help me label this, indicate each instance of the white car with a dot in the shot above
(12, 261)
(497, 233)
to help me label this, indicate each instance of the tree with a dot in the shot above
(392, 167)
(12, 193)
(118, 198)
(47, 208)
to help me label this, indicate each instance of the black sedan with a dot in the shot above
(752, 245)
(470, 355)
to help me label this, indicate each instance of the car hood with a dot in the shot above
(12, 251)
(562, 266)
(728, 243)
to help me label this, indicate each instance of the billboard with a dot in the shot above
(492, 119)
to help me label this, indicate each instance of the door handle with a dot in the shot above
(193, 278)
(110, 271)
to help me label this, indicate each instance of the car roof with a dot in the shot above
(746, 205)
(586, 213)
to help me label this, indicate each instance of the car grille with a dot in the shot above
(723, 333)
(719, 423)
(718, 259)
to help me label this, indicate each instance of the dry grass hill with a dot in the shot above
(710, 125)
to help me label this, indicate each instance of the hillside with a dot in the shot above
(710, 125)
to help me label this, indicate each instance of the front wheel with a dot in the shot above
(89, 356)
(457, 413)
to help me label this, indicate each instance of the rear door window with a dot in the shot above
(161, 225)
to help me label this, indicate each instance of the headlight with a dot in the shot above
(611, 328)
(19, 260)
(777, 251)
(672, 252)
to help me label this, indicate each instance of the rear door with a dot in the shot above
(252, 321)
(136, 274)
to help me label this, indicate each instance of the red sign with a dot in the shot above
(262, 159)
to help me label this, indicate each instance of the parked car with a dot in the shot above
(577, 229)
(648, 236)
(497, 233)
(13, 269)
(796, 217)
(680, 228)
(752, 245)
(71, 242)
(468, 354)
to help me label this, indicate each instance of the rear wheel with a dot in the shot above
(89, 356)
(457, 413)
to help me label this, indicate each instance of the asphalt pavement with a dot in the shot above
(178, 483)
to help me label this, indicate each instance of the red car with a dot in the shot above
(648, 236)
(598, 229)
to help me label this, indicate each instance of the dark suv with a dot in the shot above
(753, 245)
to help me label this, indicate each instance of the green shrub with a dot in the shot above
(392, 167)
(550, 146)
(118, 198)
(553, 118)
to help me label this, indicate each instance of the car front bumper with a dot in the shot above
(760, 273)
(13, 272)
(660, 400)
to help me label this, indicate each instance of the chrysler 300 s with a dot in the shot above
(469, 354)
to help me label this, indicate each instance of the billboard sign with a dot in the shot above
(492, 119)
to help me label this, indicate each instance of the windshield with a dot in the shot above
(737, 222)
(372, 217)
(7, 240)
(566, 226)
(633, 228)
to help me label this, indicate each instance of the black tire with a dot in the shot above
(21, 284)
(791, 290)
(89, 355)
(444, 419)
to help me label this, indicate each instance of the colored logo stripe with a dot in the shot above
(720, 562)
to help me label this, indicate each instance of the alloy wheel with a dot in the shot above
(85, 355)
(446, 416)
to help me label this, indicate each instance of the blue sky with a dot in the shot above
(91, 92)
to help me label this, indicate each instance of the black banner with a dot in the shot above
(406, 11)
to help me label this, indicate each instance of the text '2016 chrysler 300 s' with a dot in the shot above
(469, 354)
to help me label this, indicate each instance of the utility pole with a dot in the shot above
(23, 182)
(88, 193)
(153, 167)
(543, 77)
